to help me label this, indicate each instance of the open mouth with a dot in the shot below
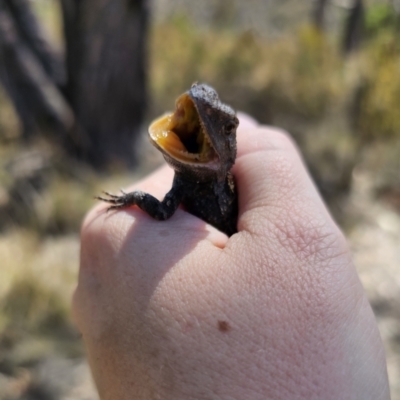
(182, 135)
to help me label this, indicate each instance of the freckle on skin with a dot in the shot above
(163, 233)
(223, 326)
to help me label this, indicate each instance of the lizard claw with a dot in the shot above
(117, 202)
(116, 207)
(112, 201)
(110, 195)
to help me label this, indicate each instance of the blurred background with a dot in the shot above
(80, 80)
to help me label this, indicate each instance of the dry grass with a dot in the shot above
(38, 277)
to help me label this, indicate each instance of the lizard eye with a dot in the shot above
(230, 128)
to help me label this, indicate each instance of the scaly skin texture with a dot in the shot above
(205, 188)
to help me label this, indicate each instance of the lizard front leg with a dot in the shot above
(160, 210)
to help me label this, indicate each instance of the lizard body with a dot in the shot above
(199, 142)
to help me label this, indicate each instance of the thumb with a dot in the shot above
(273, 183)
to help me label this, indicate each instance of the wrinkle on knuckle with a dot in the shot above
(320, 265)
(310, 238)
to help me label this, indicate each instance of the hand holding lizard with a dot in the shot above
(176, 310)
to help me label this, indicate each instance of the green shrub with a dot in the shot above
(299, 75)
(377, 115)
(380, 17)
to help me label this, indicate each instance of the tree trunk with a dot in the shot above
(29, 70)
(106, 62)
(30, 32)
(318, 14)
(97, 99)
(353, 32)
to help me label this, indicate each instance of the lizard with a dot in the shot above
(198, 141)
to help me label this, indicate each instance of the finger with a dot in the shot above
(98, 222)
(273, 182)
(132, 247)
(157, 183)
(246, 121)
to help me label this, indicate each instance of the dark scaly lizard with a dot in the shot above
(199, 142)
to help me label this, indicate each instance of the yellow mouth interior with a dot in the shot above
(181, 134)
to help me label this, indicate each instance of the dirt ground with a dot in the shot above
(375, 243)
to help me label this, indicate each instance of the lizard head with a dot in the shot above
(200, 136)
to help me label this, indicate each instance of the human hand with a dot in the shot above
(176, 310)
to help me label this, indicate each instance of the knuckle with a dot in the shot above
(309, 237)
(278, 139)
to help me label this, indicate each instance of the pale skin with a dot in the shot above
(176, 310)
